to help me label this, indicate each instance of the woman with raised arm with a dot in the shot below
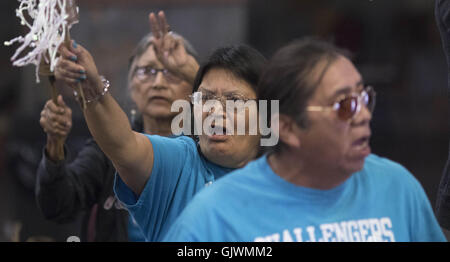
(66, 187)
(158, 176)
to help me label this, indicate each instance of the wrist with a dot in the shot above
(189, 69)
(92, 92)
(55, 148)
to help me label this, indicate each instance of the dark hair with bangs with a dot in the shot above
(242, 61)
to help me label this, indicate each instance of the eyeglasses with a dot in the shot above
(348, 106)
(148, 74)
(200, 98)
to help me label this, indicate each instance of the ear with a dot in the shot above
(287, 129)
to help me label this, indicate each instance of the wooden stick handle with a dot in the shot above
(59, 142)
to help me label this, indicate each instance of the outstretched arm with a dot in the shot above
(130, 152)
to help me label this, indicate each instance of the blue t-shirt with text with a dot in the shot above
(179, 172)
(382, 202)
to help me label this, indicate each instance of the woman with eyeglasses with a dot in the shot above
(66, 187)
(321, 183)
(158, 176)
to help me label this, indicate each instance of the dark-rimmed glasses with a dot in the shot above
(148, 74)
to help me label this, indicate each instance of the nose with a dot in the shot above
(160, 81)
(363, 117)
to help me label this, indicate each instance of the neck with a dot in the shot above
(230, 162)
(303, 172)
(157, 126)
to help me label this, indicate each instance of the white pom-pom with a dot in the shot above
(47, 26)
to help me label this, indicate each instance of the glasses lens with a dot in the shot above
(371, 97)
(347, 108)
(171, 77)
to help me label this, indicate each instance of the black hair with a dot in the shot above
(289, 79)
(242, 61)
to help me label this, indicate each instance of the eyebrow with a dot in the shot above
(346, 89)
(151, 63)
(233, 92)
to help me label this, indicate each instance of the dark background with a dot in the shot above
(396, 45)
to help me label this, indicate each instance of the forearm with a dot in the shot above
(55, 149)
(110, 128)
(55, 195)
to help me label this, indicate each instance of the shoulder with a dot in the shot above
(171, 141)
(231, 186)
(383, 169)
(375, 163)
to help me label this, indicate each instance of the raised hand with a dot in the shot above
(170, 49)
(76, 66)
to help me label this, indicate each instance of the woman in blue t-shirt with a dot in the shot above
(158, 176)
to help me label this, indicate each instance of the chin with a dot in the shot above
(355, 166)
(222, 149)
(218, 150)
(157, 111)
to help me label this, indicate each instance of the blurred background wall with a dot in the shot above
(396, 45)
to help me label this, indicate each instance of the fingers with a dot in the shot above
(76, 48)
(171, 43)
(163, 25)
(61, 102)
(54, 127)
(56, 120)
(158, 25)
(66, 53)
(154, 26)
(69, 71)
(60, 113)
(53, 108)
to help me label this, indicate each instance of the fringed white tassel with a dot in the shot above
(48, 25)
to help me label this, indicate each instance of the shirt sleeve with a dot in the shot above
(424, 226)
(151, 208)
(65, 188)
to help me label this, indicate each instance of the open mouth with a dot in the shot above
(219, 133)
(362, 141)
(155, 98)
(362, 146)
(158, 100)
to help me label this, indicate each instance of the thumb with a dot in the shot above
(61, 103)
(75, 47)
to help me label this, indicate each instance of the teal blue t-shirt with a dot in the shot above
(382, 202)
(134, 231)
(179, 172)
